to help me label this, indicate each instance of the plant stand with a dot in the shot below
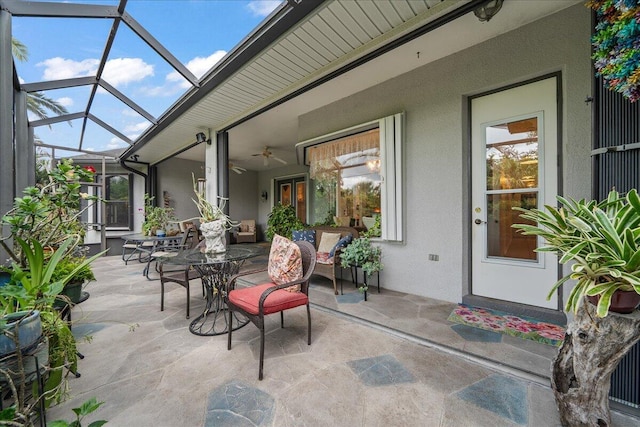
(365, 279)
(26, 363)
(591, 350)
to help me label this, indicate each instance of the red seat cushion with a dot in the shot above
(248, 299)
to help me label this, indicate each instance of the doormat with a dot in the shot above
(505, 323)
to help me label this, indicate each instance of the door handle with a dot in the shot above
(478, 221)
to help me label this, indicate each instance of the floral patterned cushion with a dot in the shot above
(324, 258)
(285, 262)
(306, 235)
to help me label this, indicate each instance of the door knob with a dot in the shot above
(478, 221)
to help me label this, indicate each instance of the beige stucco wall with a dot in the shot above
(436, 154)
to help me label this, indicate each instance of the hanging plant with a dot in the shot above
(616, 45)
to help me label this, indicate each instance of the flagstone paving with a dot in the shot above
(370, 364)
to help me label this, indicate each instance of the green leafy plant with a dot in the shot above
(49, 214)
(35, 289)
(374, 231)
(360, 252)
(155, 217)
(600, 240)
(282, 221)
(85, 409)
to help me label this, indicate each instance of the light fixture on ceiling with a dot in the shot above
(488, 10)
(201, 137)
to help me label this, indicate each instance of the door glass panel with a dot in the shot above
(512, 155)
(301, 201)
(503, 241)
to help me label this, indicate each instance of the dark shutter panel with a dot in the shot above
(616, 142)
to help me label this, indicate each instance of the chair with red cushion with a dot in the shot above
(257, 301)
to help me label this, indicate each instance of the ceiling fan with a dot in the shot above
(236, 169)
(267, 154)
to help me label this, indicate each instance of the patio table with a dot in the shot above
(215, 270)
(146, 245)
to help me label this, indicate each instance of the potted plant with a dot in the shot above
(156, 218)
(32, 290)
(49, 213)
(601, 242)
(214, 222)
(361, 253)
(73, 288)
(282, 221)
(598, 240)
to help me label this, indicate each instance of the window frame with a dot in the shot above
(391, 168)
(97, 212)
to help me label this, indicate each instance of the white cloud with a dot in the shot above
(60, 68)
(65, 101)
(130, 113)
(263, 7)
(133, 131)
(115, 142)
(174, 82)
(121, 71)
(117, 72)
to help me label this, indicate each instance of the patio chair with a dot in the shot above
(257, 301)
(171, 248)
(182, 277)
(247, 231)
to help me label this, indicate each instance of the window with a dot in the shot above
(356, 176)
(118, 202)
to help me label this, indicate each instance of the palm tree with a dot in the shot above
(37, 102)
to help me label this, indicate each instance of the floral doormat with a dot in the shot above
(517, 326)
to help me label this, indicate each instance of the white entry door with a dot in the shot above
(514, 163)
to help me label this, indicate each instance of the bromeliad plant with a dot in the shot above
(600, 240)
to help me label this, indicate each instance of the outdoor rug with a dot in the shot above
(509, 324)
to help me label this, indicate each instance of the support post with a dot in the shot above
(7, 186)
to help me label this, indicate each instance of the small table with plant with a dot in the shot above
(360, 253)
(215, 270)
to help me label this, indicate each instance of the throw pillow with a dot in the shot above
(306, 235)
(244, 228)
(285, 262)
(328, 241)
(342, 243)
(251, 228)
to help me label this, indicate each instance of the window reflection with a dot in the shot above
(346, 174)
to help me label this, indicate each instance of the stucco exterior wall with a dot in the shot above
(174, 177)
(436, 174)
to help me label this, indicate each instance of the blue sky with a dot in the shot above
(197, 32)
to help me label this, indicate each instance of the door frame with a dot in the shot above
(550, 315)
(292, 179)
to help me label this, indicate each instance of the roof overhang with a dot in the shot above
(313, 53)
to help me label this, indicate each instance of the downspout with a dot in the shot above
(137, 172)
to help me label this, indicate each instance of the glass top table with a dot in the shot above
(145, 245)
(215, 270)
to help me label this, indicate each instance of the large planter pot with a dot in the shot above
(623, 302)
(214, 236)
(28, 327)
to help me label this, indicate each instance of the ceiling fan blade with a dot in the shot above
(284, 162)
(236, 170)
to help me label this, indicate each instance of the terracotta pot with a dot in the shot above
(623, 302)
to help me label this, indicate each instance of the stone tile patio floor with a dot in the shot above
(393, 360)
